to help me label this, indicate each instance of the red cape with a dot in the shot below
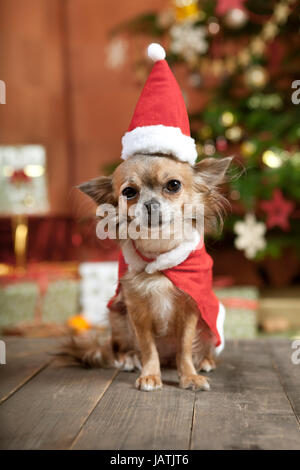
(194, 277)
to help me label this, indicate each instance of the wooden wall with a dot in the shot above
(60, 92)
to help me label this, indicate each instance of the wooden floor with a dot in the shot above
(254, 403)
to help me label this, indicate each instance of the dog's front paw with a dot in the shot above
(195, 382)
(149, 383)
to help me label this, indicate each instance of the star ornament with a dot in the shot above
(278, 211)
(250, 235)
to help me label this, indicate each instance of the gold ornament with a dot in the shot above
(217, 67)
(281, 12)
(271, 159)
(244, 58)
(248, 148)
(257, 46)
(256, 76)
(188, 10)
(234, 133)
(269, 31)
(205, 132)
(227, 118)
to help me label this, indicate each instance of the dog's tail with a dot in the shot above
(86, 352)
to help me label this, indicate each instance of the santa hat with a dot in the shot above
(160, 123)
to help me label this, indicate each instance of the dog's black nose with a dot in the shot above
(152, 205)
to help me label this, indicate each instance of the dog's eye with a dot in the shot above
(173, 186)
(129, 192)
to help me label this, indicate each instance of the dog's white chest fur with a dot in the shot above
(162, 307)
(158, 291)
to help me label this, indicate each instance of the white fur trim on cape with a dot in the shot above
(134, 261)
(164, 261)
(159, 139)
(220, 328)
(174, 257)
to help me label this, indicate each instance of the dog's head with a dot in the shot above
(153, 190)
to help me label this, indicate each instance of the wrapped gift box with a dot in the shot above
(17, 303)
(61, 301)
(98, 284)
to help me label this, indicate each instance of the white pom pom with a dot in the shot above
(156, 52)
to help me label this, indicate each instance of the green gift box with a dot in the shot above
(17, 303)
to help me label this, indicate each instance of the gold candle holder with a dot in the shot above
(20, 237)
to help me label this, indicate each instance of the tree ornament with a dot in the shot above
(257, 46)
(227, 118)
(236, 18)
(248, 148)
(188, 10)
(209, 148)
(223, 6)
(234, 133)
(221, 144)
(205, 132)
(188, 40)
(250, 235)
(269, 31)
(213, 26)
(281, 12)
(278, 210)
(271, 159)
(244, 57)
(256, 76)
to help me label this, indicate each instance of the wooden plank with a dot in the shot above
(246, 407)
(24, 359)
(289, 371)
(127, 418)
(49, 411)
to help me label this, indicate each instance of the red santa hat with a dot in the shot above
(160, 123)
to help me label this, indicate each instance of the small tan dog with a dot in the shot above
(152, 321)
(164, 311)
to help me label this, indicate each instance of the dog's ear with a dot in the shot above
(211, 171)
(99, 189)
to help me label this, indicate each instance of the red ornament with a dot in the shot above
(223, 6)
(221, 144)
(278, 211)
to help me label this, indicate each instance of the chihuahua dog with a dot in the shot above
(153, 320)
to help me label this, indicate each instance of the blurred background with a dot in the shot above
(71, 73)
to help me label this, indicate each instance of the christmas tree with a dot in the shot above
(241, 60)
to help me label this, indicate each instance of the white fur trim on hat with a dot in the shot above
(156, 52)
(159, 139)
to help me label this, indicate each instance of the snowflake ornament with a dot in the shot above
(250, 235)
(188, 40)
